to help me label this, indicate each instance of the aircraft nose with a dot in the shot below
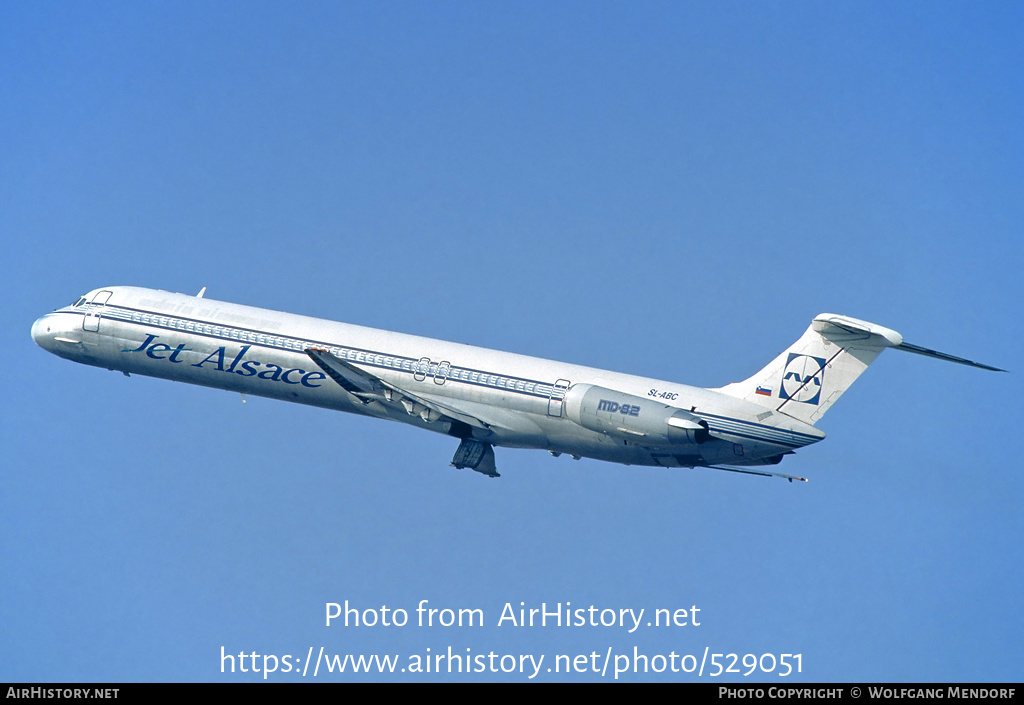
(41, 333)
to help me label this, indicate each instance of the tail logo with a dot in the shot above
(801, 380)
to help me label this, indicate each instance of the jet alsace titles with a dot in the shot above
(484, 398)
(248, 368)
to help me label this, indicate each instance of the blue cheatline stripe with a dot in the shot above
(365, 357)
(756, 431)
(178, 324)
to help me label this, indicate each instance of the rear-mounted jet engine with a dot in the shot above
(633, 418)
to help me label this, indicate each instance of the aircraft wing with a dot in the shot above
(752, 471)
(369, 388)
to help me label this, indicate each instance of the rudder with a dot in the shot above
(806, 379)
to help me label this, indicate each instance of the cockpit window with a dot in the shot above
(78, 303)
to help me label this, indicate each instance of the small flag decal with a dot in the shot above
(764, 391)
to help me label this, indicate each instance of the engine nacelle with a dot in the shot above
(633, 418)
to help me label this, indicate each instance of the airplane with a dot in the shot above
(484, 398)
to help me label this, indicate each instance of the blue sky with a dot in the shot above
(667, 189)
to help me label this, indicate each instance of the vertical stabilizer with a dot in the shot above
(806, 379)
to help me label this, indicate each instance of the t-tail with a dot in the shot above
(808, 378)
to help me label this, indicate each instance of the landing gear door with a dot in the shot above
(556, 398)
(91, 322)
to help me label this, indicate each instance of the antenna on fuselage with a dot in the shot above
(201, 292)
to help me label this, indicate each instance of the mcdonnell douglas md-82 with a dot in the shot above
(484, 398)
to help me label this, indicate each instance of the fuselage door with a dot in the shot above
(443, 370)
(91, 322)
(557, 395)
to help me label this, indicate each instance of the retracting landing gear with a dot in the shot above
(476, 455)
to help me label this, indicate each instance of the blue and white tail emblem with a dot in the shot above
(801, 380)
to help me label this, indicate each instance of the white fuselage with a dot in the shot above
(521, 401)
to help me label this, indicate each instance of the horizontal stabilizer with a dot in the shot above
(918, 350)
(807, 378)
